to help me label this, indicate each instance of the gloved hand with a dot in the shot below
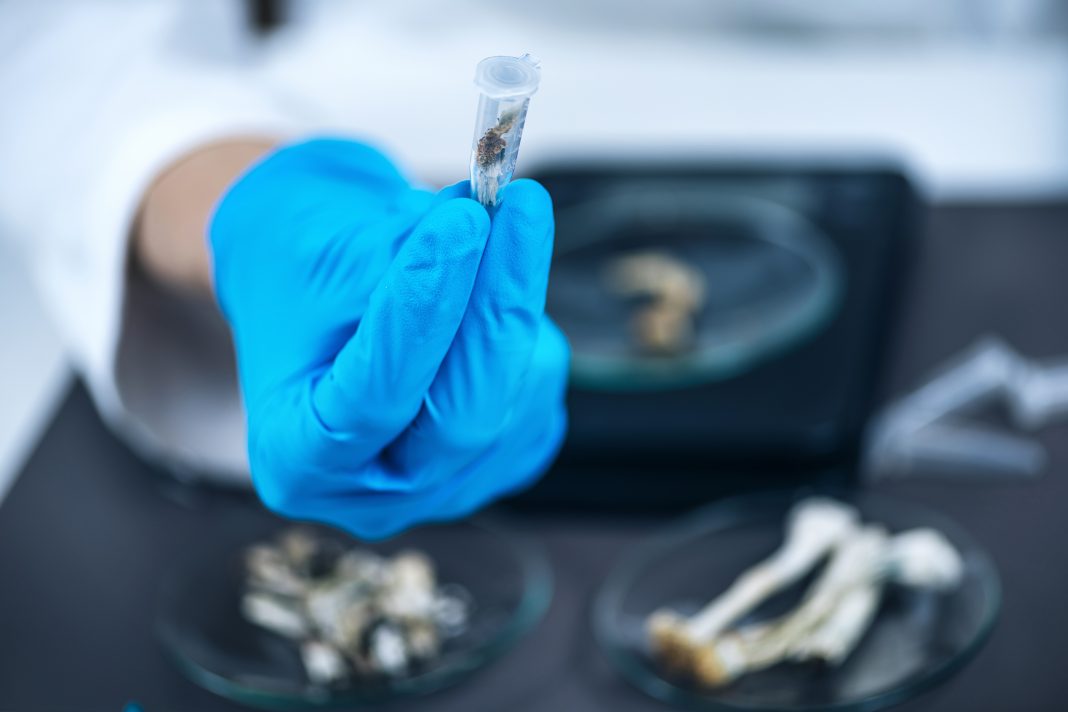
(394, 357)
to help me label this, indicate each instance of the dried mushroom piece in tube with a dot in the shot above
(506, 85)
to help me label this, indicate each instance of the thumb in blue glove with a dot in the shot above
(394, 355)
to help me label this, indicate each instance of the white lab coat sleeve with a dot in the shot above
(98, 98)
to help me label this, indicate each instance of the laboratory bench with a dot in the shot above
(88, 530)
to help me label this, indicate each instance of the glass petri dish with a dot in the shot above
(201, 628)
(917, 639)
(772, 279)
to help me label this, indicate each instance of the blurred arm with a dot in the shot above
(169, 236)
(108, 109)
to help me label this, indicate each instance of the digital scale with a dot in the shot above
(804, 267)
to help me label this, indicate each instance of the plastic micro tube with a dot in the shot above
(506, 83)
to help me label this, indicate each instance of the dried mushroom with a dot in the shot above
(350, 611)
(669, 295)
(712, 649)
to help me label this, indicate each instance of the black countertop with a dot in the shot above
(88, 530)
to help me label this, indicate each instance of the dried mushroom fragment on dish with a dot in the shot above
(839, 606)
(350, 611)
(669, 296)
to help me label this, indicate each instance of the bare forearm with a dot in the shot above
(169, 240)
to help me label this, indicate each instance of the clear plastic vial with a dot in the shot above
(506, 83)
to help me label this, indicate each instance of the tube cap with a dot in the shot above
(508, 77)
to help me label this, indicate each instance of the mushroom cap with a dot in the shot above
(671, 644)
(717, 663)
(821, 521)
(925, 558)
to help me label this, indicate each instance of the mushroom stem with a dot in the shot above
(839, 607)
(855, 562)
(815, 527)
(840, 632)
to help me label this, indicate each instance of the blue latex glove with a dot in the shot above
(394, 356)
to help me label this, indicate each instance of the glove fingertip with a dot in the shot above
(459, 189)
(476, 218)
(528, 200)
(526, 215)
(456, 226)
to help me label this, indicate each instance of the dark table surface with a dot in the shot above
(88, 530)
